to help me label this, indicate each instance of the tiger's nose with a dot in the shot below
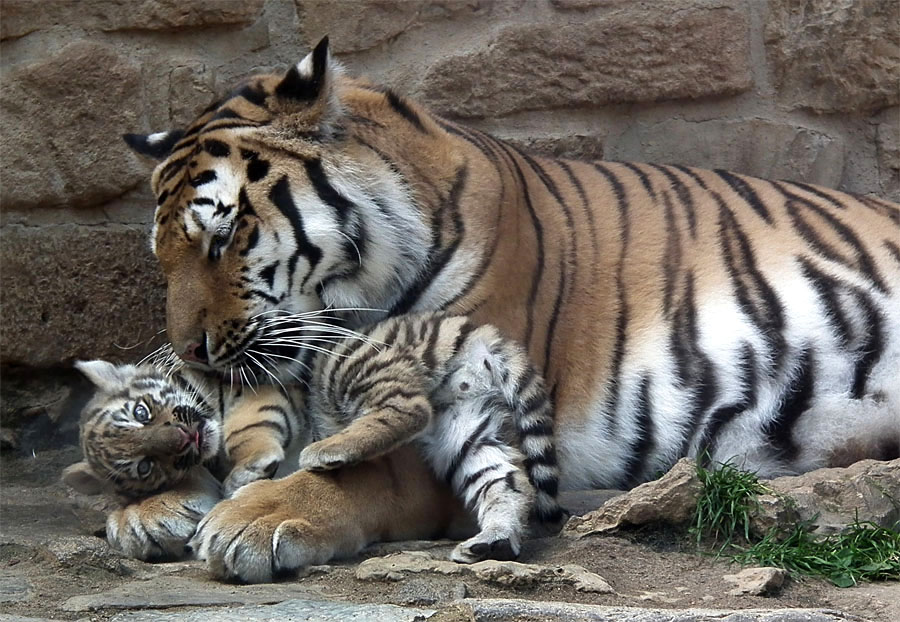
(196, 352)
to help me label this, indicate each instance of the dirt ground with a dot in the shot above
(53, 565)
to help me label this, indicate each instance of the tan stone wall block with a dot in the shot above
(634, 53)
(834, 55)
(61, 122)
(21, 17)
(75, 292)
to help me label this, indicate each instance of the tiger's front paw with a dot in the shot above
(158, 528)
(268, 529)
(327, 454)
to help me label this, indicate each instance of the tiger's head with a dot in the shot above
(142, 431)
(280, 200)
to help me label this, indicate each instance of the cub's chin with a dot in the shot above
(210, 439)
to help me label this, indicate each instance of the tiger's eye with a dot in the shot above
(141, 414)
(144, 467)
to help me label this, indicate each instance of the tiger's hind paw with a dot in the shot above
(488, 544)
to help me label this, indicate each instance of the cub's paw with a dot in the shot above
(326, 455)
(488, 544)
(158, 528)
(270, 528)
(261, 467)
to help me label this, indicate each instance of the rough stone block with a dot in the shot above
(21, 17)
(833, 55)
(77, 292)
(191, 89)
(572, 146)
(753, 147)
(363, 24)
(61, 121)
(630, 53)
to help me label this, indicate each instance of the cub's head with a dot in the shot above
(142, 431)
(270, 203)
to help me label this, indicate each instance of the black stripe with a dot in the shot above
(402, 108)
(280, 195)
(893, 249)
(466, 447)
(671, 260)
(827, 288)
(642, 176)
(873, 346)
(471, 478)
(441, 253)
(755, 296)
(566, 260)
(203, 178)
(216, 148)
(747, 193)
(267, 274)
(257, 169)
(618, 352)
(815, 191)
(326, 192)
(643, 444)
(794, 402)
(252, 241)
(684, 196)
(863, 261)
(722, 416)
(693, 367)
(271, 425)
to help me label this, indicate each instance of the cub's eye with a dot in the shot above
(144, 467)
(141, 414)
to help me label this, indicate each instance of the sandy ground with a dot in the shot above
(52, 564)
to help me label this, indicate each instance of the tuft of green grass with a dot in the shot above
(864, 551)
(726, 504)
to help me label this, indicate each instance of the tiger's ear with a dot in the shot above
(157, 145)
(105, 375)
(81, 477)
(308, 91)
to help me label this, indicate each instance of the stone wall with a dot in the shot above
(802, 89)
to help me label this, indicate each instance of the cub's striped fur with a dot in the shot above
(472, 398)
(672, 311)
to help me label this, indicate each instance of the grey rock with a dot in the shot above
(833, 498)
(751, 146)
(296, 610)
(835, 56)
(78, 292)
(484, 610)
(69, 154)
(631, 53)
(670, 499)
(81, 551)
(756, 581)
(5, 617)
(21, 17)
(13, 588)
(177, 591)
(399, 566)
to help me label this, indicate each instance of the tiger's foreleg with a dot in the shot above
(258, 428)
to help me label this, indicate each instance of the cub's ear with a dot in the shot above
(81, 477)
(308, 90)
(106, 376)
(157, 146)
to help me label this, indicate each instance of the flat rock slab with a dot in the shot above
(173, 591)
(296, 610)
(485, 610)
(13, 588)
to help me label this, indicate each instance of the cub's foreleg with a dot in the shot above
(382, 410)
(258, 428)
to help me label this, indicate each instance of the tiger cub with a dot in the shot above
(472, 399)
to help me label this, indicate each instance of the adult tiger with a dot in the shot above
(673, 311)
